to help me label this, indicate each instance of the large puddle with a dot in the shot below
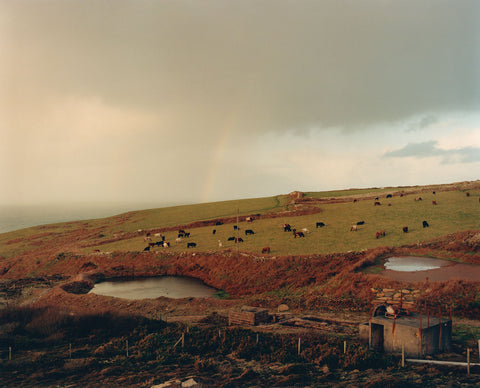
(412, 263)
(412, 268)
(168, 286)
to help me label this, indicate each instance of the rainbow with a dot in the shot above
(218, 155)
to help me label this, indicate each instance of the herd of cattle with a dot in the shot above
(286, 228)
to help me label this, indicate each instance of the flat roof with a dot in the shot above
(412, 320)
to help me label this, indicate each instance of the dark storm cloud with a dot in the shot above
(429, 149)
(253, 65)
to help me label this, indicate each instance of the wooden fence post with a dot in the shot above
(70, 351)
(468, 361)
(9, 353)
(403, 355)
(126, 342)
(299, 344)
(344, 347)
(257, 338)
(183, 339)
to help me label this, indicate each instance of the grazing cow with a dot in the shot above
(180, 235)
(405, 229)
(166, 244)
(158, 243)
(389, 195)
(178, 239)
(355, 200)
(191, 245)
(434, 202)
(218, 223)
(380, 234)
(305, 230)
(376, 198)
(148, 234)
(418, 198)
(181, 231)
(231, 239)
(96, 250)
(354, 228)
(186, 234)
(214, 231)
(239, 240)
(360, 222)
(249, 231)
(319, 225)
(220, 244)
(433, 192)
(266, 250)
(287, 228)
(298, 234)
(157, 234)
(376, 203)
(249, 219)
(146, 249)
(151, 244)
(425, 224)
(468, 194)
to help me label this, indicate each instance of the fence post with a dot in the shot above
(468, 361)
(344, 347)
(403, 355)
(299, 342)
(70, 351)
(183, 339)
(257, 338)
(127, 346)
(9, 353)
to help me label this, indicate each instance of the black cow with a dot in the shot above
(298, 234)
(360, 222)
(214, 231)
(389, 195)
(249, 231)
(319, 225)
(425, 224)
(218, 223)
(191, 245)
(146, 249)
(287, 228)
(405, 229)
(239, 240)
(187, 234)
(231, 239)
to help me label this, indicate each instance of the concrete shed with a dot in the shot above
(420, 334)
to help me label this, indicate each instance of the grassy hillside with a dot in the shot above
(455, 211)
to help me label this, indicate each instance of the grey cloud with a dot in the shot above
(257, 66)
(423, 123)
(429, 149)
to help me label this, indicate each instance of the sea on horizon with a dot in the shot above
(19, 217)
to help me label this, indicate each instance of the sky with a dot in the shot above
(190, 101)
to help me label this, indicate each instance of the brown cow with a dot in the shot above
(266, 250)
(376, 203)
(434, 202)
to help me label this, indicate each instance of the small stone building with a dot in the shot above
(420, 334)
(248, 316)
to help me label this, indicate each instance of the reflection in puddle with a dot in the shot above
(168, 286)
(413, 264)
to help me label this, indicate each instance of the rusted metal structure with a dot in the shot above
(391, 327)
(248, 315)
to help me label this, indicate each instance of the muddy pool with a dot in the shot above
(413, 268)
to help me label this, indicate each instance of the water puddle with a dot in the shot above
(412, 263)
(416, 269)
(168, 286)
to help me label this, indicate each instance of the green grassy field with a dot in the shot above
(454, 212)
